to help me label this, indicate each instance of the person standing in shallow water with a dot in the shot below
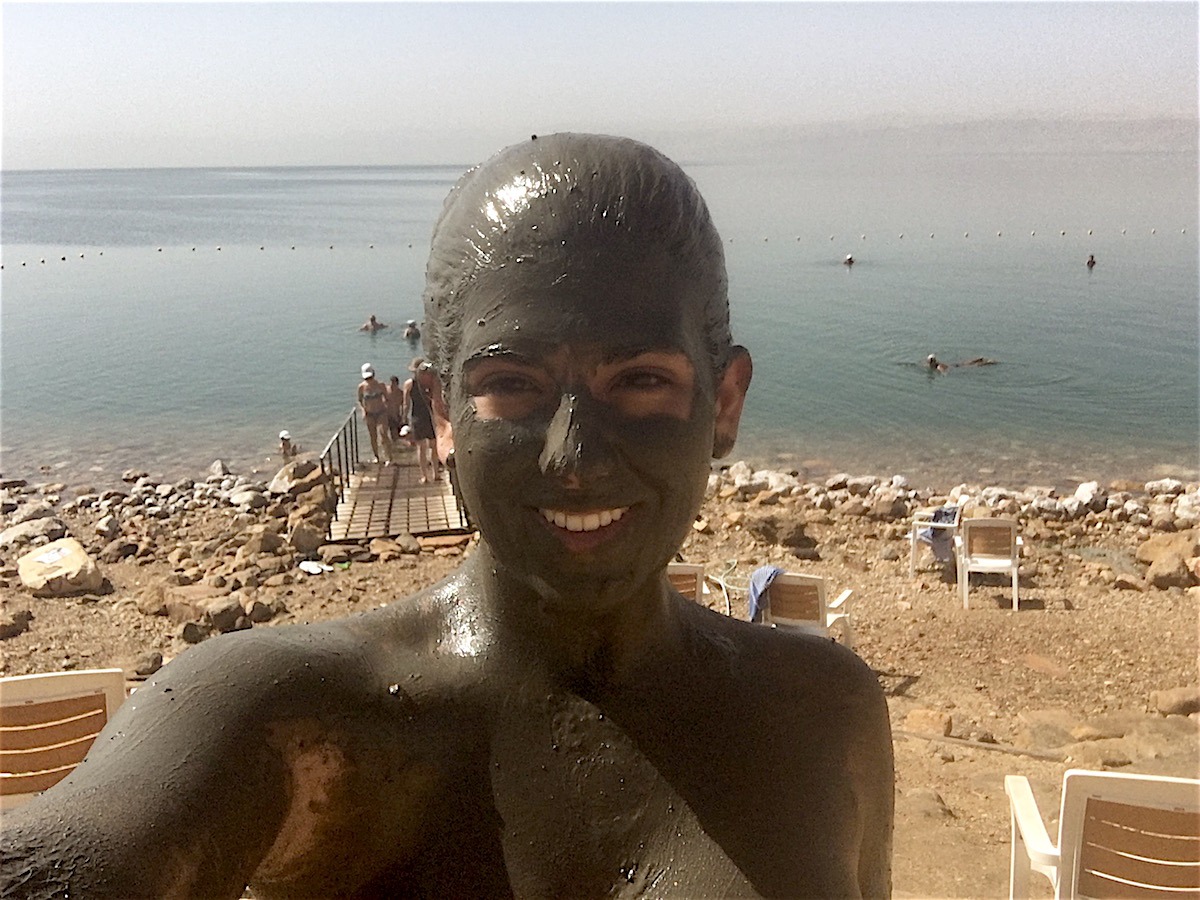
(552, 719)
(372, 325)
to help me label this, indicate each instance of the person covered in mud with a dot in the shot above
(552, 719)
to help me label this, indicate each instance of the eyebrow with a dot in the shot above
(535, 351)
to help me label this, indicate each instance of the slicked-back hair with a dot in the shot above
(587, 202)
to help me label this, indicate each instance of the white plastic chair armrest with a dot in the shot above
(1025, 815)
(842, 599)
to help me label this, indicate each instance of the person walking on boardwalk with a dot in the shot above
(394, 396)
(372, 400)
(417, 393)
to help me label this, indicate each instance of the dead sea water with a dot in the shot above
(164, 318)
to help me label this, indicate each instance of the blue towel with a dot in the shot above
(940, 540)
(760, 580)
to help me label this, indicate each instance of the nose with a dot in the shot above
(574, 447)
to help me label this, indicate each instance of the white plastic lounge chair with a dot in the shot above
(798, 601)
(1119, 835)
(47, 724)
(987, 545)
(934, 527)
(688, 579)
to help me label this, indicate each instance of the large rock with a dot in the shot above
(1184, 544)
(35, 509)
(49, 528)
(260, 542)
(1164, 487)
(1181, 701)
(109, 527)
(305, 537)
(223, 613)
(1090, 495)
(1170, 570)
(888, 506)
(296, 478)
(247, 498)
(180, 603)
(60, 569)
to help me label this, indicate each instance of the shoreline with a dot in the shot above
(80, 474)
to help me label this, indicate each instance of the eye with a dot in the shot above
(644, 379)
(505, 390)
(505, 384)
(652, 384)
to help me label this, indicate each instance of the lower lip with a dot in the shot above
(586, 541)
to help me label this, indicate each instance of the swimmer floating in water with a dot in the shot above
(936, 365)
(411, 331)
(849, 260)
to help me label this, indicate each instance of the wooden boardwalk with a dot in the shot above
(383, 501)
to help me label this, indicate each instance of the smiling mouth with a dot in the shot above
(582, 522)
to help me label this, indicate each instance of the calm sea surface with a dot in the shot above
(164, 318)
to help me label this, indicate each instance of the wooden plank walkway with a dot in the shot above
(383, 501)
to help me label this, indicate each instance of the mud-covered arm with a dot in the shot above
(870, 761)
(183, 793)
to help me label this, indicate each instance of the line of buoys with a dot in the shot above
(766, 239)
(967, 234)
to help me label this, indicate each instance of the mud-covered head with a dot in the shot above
(578, 317)
(566, 210)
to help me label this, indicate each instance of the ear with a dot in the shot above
(443, 431)
(731, 397)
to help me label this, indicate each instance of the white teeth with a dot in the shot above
(583, 522)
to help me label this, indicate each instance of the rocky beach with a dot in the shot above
(1097, 669)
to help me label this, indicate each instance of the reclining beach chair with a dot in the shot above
(1119, 835)
(688, 579)
(47, 724)
(792, 600)
(987, 545)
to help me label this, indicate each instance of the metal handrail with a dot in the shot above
(339, 459)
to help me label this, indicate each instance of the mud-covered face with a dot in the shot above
(583, 425)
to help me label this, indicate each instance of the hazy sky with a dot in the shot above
(240, 84)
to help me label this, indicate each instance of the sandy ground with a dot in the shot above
(1065, 681)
